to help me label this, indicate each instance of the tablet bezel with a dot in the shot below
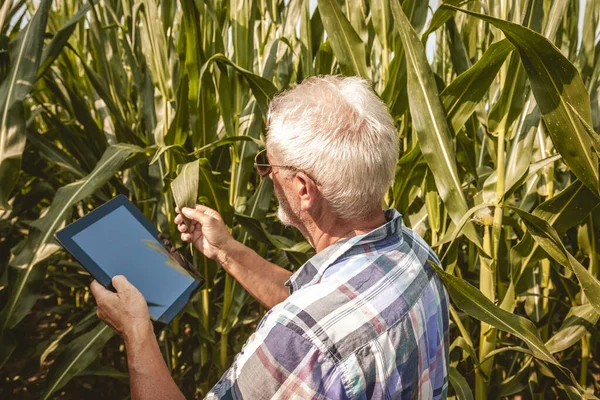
(65, 239)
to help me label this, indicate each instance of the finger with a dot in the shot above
(182, 228)
(98, 290)
(197, 214)
(120, 283)
(166, 241)
(178, 219)
(186, 237)
(170, 247)
(177, 210)
(208, 211)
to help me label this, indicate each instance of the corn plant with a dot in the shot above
(165, 102)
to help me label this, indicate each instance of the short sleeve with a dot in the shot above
(278, 362)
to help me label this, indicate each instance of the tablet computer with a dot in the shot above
(117, 239)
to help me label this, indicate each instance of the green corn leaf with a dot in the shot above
(237, 299)
(473, 302)
(25, 52)
(103, 90)
(105, 371)
(468, 348)
(242, 170)
(394, 94)
(55, 155)
(452, 235)
(382, 21)
(347, 46)
(241, 15)
(291, 16)
(563, 211)
(262, 89)
(461, 97)
(185, 187)
(556, 85)
(230, 140)
(410, 172)
(547, 238)
(517, 349)
(579, 321)
(175, 148)
(530, 170)
(324, 59)
(512, 98)
(225, 99)
(430, 122)
(476, 304)
(258, 205)
(212, 190)
(40, 244)
(76, 356)
(13, 138)
(593, 135)
(520, 153)
(204, 118)
(356, 13)
(155, 45)
(258, 232)
(61, 37)
(179, 125)
(416, 11)
(432, 202)
(460, 385)
(306, 41)
(458, 51)
(439, 17)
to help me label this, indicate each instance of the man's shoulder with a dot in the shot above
(414, 241)
(369, 295)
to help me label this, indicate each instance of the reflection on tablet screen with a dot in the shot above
(135, 253)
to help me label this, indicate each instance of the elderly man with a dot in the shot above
(366, 317)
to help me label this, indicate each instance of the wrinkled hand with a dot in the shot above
(125, 311)
(207, 232)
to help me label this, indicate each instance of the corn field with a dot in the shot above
(498, 171)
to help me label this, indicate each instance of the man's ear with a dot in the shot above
(306, 190)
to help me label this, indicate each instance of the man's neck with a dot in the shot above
(329, 230)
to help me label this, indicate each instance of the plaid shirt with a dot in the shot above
(367, 318)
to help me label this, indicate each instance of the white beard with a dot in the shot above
(286, 215)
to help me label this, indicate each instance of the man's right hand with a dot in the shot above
(207, 232)
(264, 280)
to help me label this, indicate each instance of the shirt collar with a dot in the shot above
(312, 270)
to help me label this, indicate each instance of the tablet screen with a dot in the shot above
(121, 245)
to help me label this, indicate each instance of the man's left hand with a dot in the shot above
(126, 311)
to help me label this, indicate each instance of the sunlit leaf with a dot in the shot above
(76, 356)
(473, 302)
(430, 122)
(547, 238)
(25, 52)
(464, 93)
(347, 46)
(40, 243)
(185, 187)
(576, 324)
(556, 85)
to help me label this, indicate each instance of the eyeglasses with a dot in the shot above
(264, 167)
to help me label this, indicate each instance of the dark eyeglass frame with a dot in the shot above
(265, 169)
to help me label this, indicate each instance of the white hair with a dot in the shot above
(338, 131)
